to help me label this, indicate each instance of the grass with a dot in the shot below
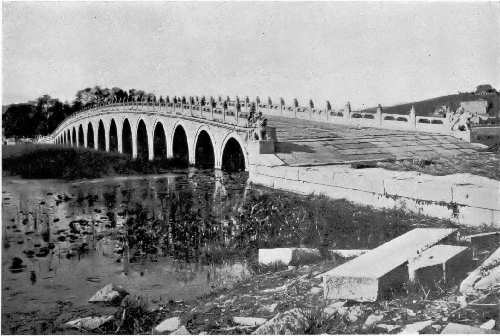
(54, 161)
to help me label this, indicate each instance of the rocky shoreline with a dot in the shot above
(290, 300)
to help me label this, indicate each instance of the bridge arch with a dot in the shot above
(233, 156)
(142, 141)
(159, 141)
(73, 137)
(126, 138)
(80, 136)
(180, 147)
(90, 136)
(101, 136)
(204, 148)
(113, 137)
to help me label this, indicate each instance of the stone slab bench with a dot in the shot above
(382, 269)
(440, 262)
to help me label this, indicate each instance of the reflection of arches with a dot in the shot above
(68, 134)
(80, 136)
(113, 138)
(159, 142)
(233, 158)
(142, 141)
(73, 137)
(204, 151)
(101, 136)
(127, 138)
(90, 136)
(180, 149)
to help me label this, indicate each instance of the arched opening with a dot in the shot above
(113, 137)
(159, 142)
(80, 136)
(68, 134)
(74, 138)
(126, 138)
(90, 136)
(101, 136)
(180, 146)
(204, 151)
(232, 157)
(142, 141)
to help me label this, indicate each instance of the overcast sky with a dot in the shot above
(367, 53)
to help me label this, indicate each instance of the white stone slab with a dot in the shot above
(286, 255)
(436, 255)
(358, 279)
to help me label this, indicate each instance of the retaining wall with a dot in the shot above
(463, 198)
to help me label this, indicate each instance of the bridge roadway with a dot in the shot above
(309, 143)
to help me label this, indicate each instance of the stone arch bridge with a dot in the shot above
(210, 138)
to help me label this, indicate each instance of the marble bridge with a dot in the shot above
(307, 151)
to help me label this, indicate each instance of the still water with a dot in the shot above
(168, 237)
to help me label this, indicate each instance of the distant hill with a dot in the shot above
(428, 106)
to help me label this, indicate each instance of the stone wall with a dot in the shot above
(463, 198)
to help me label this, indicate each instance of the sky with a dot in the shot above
(367, 53)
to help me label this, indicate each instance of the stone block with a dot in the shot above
(288, 256)
(461, 329)
(484, 195)
(485, 277)
(382, 269)
(320, 175)
(361, 179)
(440, 262)
(428, 189)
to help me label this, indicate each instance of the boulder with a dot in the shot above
(168, 325)
(108, 294)
(388, 327)
(181, 331)
(288, 256)
(488, 324)
(416, 327)
(89, 323)
(457, 328)
(249, 321)
(483, 278)
(290, 322)
(371, 320)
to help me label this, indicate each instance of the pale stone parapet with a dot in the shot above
(473, 203)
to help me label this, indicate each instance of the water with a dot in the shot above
(187, 232)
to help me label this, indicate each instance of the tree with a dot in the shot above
(311, 104)
(282, 101)
(295, 102)
(328, 106)
(269, 101)
(257, 100)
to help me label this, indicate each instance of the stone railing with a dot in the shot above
(236, 113)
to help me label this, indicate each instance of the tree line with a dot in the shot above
(43, 115)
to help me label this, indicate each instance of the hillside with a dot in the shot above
(427, 107)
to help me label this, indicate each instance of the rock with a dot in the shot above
(388, 327)
(347, 254)
(488, 324)
(168, 325)
(316, 290)
(269, 308)
(249, 321)
(416, 327)
(354, 313)
(288, 256)
(371, 320)
(181, 331)
(89, 323)
(337, 306)
(410, 313)
(109, 294)
(456, 328)
(484, 277)
(290, 322)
